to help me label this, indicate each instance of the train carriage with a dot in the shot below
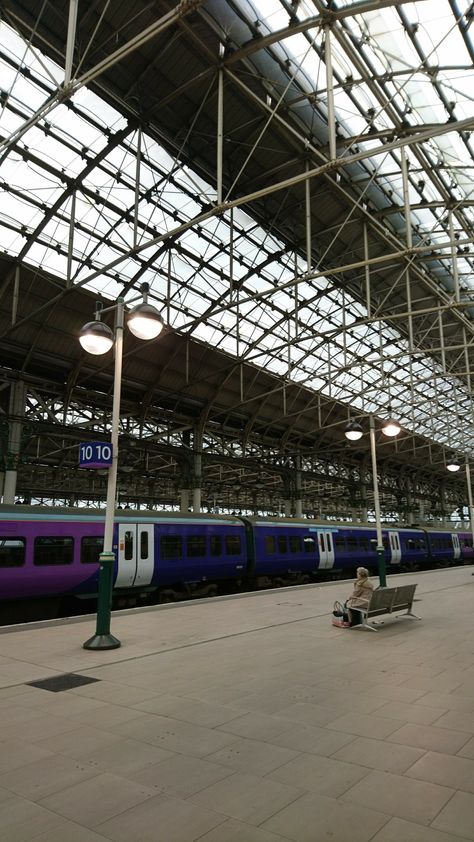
(53, 553)
(300, 550)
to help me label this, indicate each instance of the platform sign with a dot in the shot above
(95, 454)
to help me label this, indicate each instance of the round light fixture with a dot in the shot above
(353, 431)
(453, 466)
(144, 321)
(391, 428)
(96, 338)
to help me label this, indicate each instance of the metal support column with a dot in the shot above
(220, 127)
(71, 38)
(16, 413)
(378, 521)
(184, 500)
(298, 493)
(469, 497)
(330, 93)
(197, 469)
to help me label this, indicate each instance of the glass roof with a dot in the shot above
(81, 161)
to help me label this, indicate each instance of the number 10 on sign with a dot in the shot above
(95, 454)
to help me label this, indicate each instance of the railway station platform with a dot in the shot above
(244, 719)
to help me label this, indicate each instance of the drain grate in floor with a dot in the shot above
(67, 681)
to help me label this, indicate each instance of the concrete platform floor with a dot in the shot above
(245, 719)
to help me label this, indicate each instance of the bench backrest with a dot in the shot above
(404, 595)
(389, 599)
(381, 599)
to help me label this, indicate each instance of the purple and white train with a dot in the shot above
(53, 552)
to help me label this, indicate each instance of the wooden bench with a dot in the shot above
(386, 601)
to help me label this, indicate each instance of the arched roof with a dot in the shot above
(292, 179)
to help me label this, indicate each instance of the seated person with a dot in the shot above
(360, 596)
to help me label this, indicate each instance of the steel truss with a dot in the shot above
(291, 203)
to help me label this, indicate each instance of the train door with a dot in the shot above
(326, 550)
(135, 555)
(456, 546)
(395, 549)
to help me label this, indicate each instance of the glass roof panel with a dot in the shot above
(228, 270)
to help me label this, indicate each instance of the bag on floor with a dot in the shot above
(340, 617)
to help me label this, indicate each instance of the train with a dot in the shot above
(53, 553)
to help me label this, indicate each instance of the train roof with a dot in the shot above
(76, 511)
(35, 511)
(348, 524)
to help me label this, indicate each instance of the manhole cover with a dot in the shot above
(62, 682)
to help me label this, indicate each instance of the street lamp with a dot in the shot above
(390, 428)
(97, 338)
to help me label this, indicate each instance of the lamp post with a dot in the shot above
(453, 465)
(354, 432)
(98, 338)
(469, 498)
(378, 520)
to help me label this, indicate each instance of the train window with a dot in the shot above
(309, 545)
(295, 544)
(196, 546)
(128, 548)
(339, 544)
(216, 545)
(52, 550)
(282, 545)
(411, 544)
(351, 544)
(270, 544)
(171, 547)
(232, 544)
(363, 544)
(144, 551)
(385, 543)
(12, 552)
(91, 547)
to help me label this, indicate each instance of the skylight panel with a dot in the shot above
(178, 194)
(21, 209)
(440, 36)
(99, 110)
(273, 14)
(11, 241)
(9, 122)
(48, 258)
(388, 43)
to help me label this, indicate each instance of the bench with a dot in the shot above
(386, 601)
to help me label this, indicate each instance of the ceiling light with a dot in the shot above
(453, 465)
(353, 431)
(391, 428)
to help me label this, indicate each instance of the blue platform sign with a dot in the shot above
(95, 454)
